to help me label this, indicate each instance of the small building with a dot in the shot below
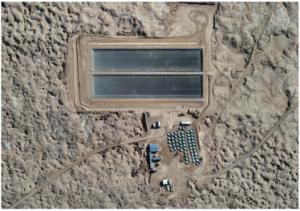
(185, 123)
(148, 114)
(150, 160)
(157, 159)
(168, 184)
(172, 188)
(154, 170)
(153, 125)
(153, 148)
(158, 124)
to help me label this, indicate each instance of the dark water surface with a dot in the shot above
(147, 60)
(147, 86)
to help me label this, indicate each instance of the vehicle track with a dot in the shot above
(59, 172)
(208, 104)
(239, 80)
(255, 148)
(245, 73)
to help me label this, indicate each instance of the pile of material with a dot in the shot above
(194, 114)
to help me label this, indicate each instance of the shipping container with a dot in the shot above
(158, 124)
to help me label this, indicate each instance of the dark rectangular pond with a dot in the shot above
(147, 86)
(147, 60)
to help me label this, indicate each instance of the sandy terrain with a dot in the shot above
(253, 83)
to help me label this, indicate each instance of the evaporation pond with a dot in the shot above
(146, 60)
(147, 86)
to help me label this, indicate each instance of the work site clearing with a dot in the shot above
(67, 143)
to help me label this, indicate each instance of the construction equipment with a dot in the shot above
(194, 114)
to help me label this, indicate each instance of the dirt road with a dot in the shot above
(151, 133)
(245, 73)
(158, 135)
(208, 103)
(150, 136)
(255, 148)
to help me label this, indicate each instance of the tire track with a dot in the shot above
(255, 148)
(208, 104)
(245, 73)
(59, 172)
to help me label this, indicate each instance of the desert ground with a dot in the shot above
(57, 157)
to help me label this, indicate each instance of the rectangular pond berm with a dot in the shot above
(147, 60)
(147, 86)
(147, 73)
